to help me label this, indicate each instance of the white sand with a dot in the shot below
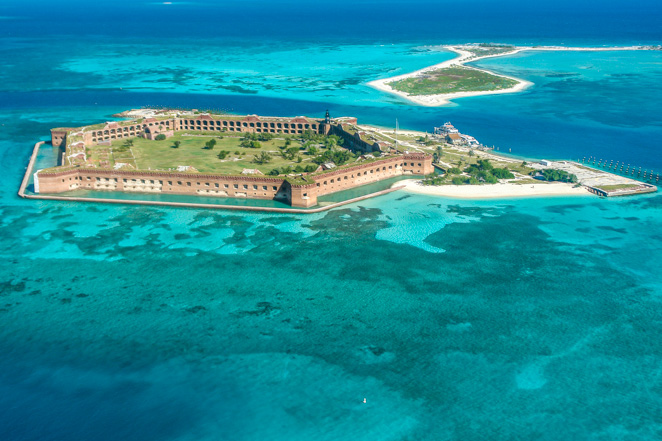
(494, 191)
(464, 57)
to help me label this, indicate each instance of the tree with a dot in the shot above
(246, 141)
(308, 134)
(484, 164)
(440, 152)
(176, 144)
(262, 158)
(209, 145)
(502, 173)
(160, 137)
(330, 142)
(223, 154)
(471, 153)
(290, 153)
(312, 150)
(128, 143)
(310, 168)
(299, 159)
(273, 172)
(298, 169)
(558, 175)
(338, 157)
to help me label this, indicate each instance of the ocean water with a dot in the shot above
(404, 317)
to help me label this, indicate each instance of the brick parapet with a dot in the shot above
(159, 174)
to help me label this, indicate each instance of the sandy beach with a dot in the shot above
(465, 57)
(495, 191)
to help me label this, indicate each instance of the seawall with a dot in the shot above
(28, 171)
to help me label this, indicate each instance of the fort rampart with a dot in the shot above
(210, 123)
(297, 194)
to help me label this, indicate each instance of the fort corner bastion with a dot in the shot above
(372, 160)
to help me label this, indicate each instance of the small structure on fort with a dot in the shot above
(154, 133)
(291, 159)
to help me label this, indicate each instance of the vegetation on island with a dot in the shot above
(554, 175)
(614, 187)
(488, 49)
(482, 172)
(451, 80)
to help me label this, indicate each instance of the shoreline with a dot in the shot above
(495, 191)
(468, 57)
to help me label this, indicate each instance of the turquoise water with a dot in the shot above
(582, 104)
(404, 317)
(528, 318)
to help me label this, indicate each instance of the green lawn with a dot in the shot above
(162, 155)
(451, 80)
(617, 187)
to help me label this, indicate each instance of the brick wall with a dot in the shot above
(252, 187)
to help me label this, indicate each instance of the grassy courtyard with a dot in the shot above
(227, 155)
(451, 80)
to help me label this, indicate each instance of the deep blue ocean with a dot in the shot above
(404, 317)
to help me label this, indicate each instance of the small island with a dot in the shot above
(438, 85)
(453, 80)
